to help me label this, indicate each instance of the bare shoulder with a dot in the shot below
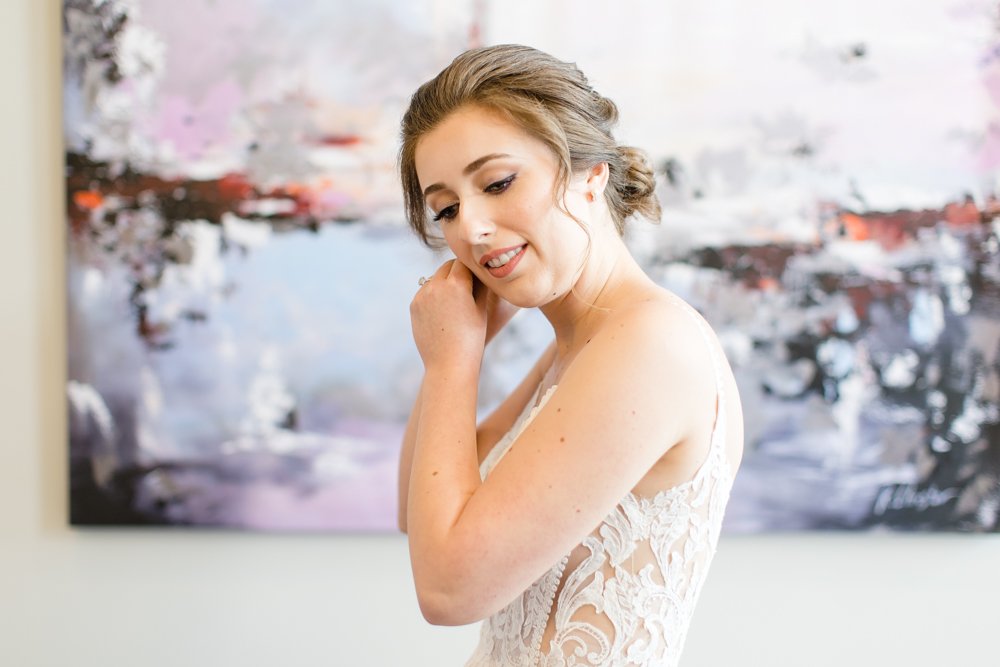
(648, 356)
(688, 370)
(664, 330)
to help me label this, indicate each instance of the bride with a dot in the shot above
(578, 520)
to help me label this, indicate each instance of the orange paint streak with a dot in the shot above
(234, 186)
(88, 199)
(340, 140)
(856, 227)
(962, 214)
(768, 284)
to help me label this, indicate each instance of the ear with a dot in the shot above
(597, 178)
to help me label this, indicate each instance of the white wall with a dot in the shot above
(156, 598)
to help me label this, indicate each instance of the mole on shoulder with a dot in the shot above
(562, 439)
(434, 473)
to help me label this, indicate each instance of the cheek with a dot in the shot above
(537, 220)
(461, 250)
(457, 248)
(572, 244)
(525, 214)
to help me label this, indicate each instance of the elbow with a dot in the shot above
(435, 609)
(447, 597)
(451, 587)
(439, 608)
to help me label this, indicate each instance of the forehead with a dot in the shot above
(466, 135)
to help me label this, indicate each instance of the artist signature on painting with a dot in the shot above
(908, 497)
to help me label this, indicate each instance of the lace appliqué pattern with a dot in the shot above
(626, 594)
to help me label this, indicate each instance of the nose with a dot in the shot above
(476, 223)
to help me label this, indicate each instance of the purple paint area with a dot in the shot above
(989, 155)
(191, 129)
(203, 39)
(282, 493)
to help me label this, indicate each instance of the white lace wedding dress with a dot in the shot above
(625, 595)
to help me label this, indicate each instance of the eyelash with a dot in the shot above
(499, 187)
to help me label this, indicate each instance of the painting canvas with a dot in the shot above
(239, 269)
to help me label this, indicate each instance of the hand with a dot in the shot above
(449, 321)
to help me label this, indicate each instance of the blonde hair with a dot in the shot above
(548, 98)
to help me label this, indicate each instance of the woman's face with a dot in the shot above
(491, 188)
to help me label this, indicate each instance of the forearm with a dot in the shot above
(406, 457)
(444, 472)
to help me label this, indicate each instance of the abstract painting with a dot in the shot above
(238, 275)
(239, 269)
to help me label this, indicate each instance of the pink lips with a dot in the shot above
(493, 254)
(506, 269)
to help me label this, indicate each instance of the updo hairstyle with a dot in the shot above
(549, 99)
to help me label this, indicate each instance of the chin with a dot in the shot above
(516, 297)
(525, 303)
(532, 299)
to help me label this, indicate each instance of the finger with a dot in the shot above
(479, 290)
(444, 269)
(461, 273)
(458, 269)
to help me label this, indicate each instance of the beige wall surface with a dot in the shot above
(173, 597)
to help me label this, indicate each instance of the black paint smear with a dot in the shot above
(112, 22)
(672, 169)
(94, 505)
(750, 265)
(803, 150)
(950, 366)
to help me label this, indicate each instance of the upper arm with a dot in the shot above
(623, 401)
(501, 420)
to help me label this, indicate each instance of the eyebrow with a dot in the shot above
(469, 168)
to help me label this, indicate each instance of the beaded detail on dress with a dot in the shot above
(626, 594)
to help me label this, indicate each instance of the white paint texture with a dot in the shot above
(104, 598)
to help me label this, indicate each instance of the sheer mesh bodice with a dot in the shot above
(625, 595)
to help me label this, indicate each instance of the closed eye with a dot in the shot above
(447, 213)
(500, 186)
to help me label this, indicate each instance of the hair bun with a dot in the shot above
(638, 186)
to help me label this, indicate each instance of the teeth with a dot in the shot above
(497, 262)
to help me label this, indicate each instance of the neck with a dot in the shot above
(606, 282)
